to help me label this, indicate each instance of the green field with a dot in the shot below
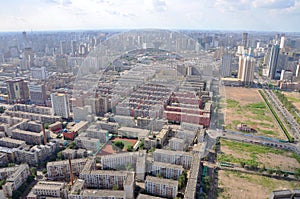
(252, 155)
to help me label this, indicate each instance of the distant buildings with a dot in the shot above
(245, 39)
(226, 65)
(38, 73)
(60, 105)
(18, 90)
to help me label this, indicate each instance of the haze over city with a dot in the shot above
(250, 15)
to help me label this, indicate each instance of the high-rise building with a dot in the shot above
(246, 68)
(62, 63)
(27, 59)
(282, 42)
(38, 73)
(226, 65)
(245, 39)
(60, 104)
(273, 61)
(18, 91)
(298, 70)
(37, 93)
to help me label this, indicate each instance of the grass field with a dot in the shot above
(293, 97)
(245, 105)
(233, 184)
(261, 156)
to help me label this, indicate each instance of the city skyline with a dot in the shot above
(250, 15)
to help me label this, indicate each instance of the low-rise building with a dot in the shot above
(177, 144)
(50, 188)
(11, 143)
(90, 144)
(141, 165)
(16, 179)
(119, 161)
(173, 157)
(61, 169)
(161, 187)
(6, 172)
(170, 171)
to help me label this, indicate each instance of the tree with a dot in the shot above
(142, 144)
(33, 171)
(29, 179)
(44, 171)
(2, 109)
(129, 148)
(72, 145)
(59, 155)
(119, 144)
(115, 187)
(242, 163)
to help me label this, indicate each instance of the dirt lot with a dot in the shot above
(245, 105)
(247, 186)
(294, 97)
(269, 158)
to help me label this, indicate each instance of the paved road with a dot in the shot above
(285, 116)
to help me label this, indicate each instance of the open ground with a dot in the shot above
(245, 105)
(294, 98)
(234, 184)
(263, 156)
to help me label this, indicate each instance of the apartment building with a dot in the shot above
(177, 144)
(28, 136)
(141, 165)
(119, 160)
(49, 189)
(104, 179)
(6, 172)
(11, 143)
(16, 179)
(173, 157)
(98, 194)
(170, 171)
(90, 144)
(61, 169)
(161, 187)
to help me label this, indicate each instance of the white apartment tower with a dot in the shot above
(246, 68)
(60, 104)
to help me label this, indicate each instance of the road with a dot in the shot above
(285, 116)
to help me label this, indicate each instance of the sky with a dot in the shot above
(251, 15)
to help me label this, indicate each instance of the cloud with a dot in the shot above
(233, 5)
(156, 5)
(274, 4)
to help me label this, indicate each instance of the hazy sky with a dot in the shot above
(269, 15)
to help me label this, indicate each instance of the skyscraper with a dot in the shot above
(60, 104)
(273, 61)
(245, 39)
(246, 68)
(282, 42)
(18, 91)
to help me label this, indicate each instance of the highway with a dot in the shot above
(284, 114)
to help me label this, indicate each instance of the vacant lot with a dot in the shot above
(262, 156)
(245, 105)
(293, 97)
(234, 185)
